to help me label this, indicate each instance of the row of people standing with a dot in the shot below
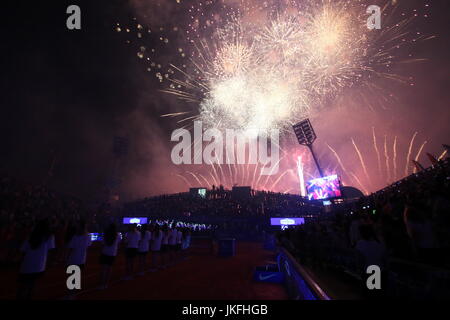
(165, 244)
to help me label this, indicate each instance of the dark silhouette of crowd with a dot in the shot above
(402, 227)
(220, 202)
(22, 206)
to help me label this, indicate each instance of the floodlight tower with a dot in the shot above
(306, 137)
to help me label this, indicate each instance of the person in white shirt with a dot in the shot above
(144, 246)
(34, 262)
(111, 240)
(132, 238)
(78, 246)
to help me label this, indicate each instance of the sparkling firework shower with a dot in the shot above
(252, 65)
(249, 65)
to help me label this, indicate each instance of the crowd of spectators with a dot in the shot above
(23, 205)
(221, 202)
(408, 221)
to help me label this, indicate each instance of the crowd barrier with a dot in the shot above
(298, 282)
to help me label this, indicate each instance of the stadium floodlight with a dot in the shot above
(306, 137)
(305, 132)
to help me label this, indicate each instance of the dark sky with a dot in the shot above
(66, 94)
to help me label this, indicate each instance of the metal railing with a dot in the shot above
(311, 283)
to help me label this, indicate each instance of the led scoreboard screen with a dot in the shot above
(324, 188)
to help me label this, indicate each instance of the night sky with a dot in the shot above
(66, 94)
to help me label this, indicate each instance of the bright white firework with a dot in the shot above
(267, 73)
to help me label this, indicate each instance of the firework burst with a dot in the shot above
(267, 73)
(249, 65)
(265, 65)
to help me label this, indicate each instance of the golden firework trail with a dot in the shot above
(361, 160)
(337, 157)
(195, 177)
(185, 180)
(230, 170)
(271, 171)
(442, 155)
(386, 155)
(222, 175)
(214, 178)
(359, 181)
(279, 178)
(254, 175)
(409, 152)
(215, 171)
(418, 154)
(206, 180)
(247, 172)
(376, 150)
(394, 159)
(344, 170)
(175, 114)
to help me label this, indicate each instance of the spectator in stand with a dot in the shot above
(420, 231)
(371, 248)
(132, 238)
(144, 245)
(111, 239)
(33, 266)
(373, 254)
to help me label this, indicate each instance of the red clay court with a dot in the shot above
(201, 276)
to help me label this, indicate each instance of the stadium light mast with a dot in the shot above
(306, 137)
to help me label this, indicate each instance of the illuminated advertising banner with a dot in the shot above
(286, 221)
(134, 220)
(96, 236)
